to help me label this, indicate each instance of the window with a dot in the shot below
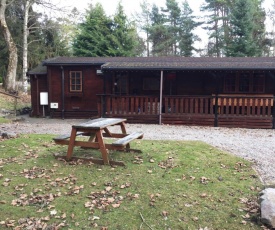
(244, 83)
(229, 84)
(75, 81)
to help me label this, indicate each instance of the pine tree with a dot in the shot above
(123, 35)
(92, 37)
(172, 15)
(187, 37)
(246, 36)
(158, 33)
(217, 24)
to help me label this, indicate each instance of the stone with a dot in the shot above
(267, 201)
(8, 135)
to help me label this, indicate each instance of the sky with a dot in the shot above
(132, 7)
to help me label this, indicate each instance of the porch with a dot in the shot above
(246, 111)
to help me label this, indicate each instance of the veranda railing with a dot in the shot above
(218, 105)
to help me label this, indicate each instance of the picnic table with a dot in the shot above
(97, 131)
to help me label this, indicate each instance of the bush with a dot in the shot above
(1, 79)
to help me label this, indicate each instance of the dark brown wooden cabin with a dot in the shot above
(229, 92)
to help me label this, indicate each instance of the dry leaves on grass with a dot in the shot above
(104, 199)
(32, 199)
(32, 223)
(167, 164)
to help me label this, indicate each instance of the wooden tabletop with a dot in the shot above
(99, 123)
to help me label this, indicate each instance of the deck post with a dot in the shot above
(216, 77)
(216, 110)
(62, 93)
(160, 96)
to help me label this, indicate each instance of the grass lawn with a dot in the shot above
(4, 120)
(170, 185)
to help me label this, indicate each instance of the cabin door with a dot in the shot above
(121, 84)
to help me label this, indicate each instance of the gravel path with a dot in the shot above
(256, 145)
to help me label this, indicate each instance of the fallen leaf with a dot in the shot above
(53, 212)
(203, 195)
(115, 205)
(96, 218)
(164, 213)
(63, 216)
(109, 188)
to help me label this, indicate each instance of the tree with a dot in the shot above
(158, 33)
(217, 12)
(271, 34)
(171, 30)
(92, 38)
(12, 49)
(101, 36)
(173, 23)
(186, 35)
(123, 35)
(244, 30)
(144, 23)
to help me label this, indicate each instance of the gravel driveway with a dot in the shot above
(256, 145)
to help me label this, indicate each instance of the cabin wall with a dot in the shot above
(76, 104)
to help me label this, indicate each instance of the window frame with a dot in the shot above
(252, 78)
(73, 83)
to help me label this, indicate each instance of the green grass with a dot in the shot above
(4, 120)
(170, 185)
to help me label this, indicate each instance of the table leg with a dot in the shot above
(123, 130)
(71, 144)
(102, 147)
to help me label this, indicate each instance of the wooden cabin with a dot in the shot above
(221, 92)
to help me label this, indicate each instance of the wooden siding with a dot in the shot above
(76, 104)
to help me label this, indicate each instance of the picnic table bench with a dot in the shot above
(97, 130)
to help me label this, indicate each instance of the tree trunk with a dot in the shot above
(25, 39)
(13, 58)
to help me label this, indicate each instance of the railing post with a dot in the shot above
(216, 110)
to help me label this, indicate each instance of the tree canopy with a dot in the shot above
(100, 35)
(233, 27)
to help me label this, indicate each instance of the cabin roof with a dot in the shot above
(168, 63)
(38, 70)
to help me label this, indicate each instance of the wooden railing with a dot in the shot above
(125, 105)
(261, 105)
(188, 104)
(218, 105)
